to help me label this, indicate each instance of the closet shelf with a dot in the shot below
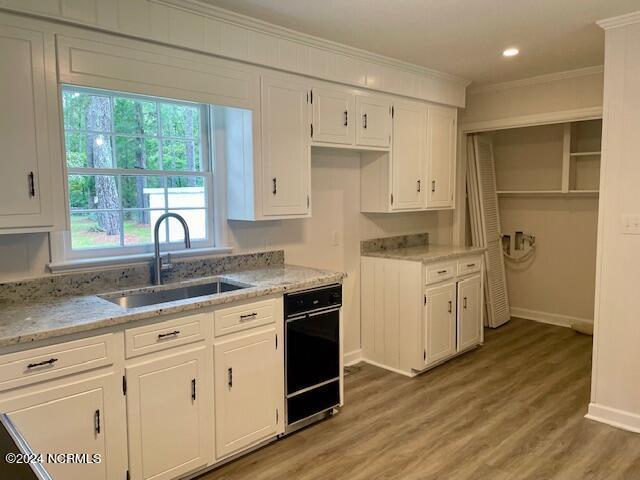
(549, 193)
(584, 154)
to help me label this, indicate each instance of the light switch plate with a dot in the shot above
(630, 224)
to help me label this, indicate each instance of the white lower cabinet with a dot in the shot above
(440, 323)
(168, 424)
(416, 316)
(249, 390)
(469, 312)
(72, 418)
(152, 415)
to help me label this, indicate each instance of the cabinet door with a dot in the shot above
(286, 150)
(333, 116)
(441, 156)
(248, 389)
(440, 323)
(469, 312)
(73, 418)
(409, 155)
(24, 183)
(374, 121)
(168, 426)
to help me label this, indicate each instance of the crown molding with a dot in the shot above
(620, 21)
(548, 78)
(227, 16)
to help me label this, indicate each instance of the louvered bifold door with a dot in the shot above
(475, 217)
(496, 285)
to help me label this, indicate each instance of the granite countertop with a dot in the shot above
(425, 253)
(48, 317)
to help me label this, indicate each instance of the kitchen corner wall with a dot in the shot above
(615, 392)
(330, 239)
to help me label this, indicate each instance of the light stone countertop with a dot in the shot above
(425, 253)
(23, 322)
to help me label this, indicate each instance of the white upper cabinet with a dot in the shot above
(419, 171)
(441, 156)
(25, 188)
(373, 117)
(286, 148)
(333, 116)
(409, 155)
(440, 323)
(248, 390)
(168, 415)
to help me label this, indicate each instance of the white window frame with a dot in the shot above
(62, 252)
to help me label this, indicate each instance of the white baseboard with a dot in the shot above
(352, 357)
(550, 318)
(614, 417)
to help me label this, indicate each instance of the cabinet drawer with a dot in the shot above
(44, 363)
(469, 265)
(162, 335)
(440, 271)
(242, 317)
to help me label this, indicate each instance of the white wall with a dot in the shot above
(335, 178)
(615, 393)
(511, 103)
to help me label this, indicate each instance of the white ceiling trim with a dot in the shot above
(237, 19)
(551, 77)
(619, 21)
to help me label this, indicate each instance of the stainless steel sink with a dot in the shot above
(143, 299)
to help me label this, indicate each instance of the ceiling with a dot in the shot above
(462, 37)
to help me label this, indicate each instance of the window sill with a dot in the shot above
(85, 264)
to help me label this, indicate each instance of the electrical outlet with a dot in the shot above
(631, 224)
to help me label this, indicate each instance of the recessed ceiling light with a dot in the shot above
(511, 52)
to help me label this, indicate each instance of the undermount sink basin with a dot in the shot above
(143, 299)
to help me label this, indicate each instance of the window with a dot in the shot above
(129, 160)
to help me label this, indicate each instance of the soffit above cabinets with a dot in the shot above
(196, 26)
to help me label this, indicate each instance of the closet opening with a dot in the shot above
(532, 198)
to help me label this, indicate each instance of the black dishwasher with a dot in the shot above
(312, 362)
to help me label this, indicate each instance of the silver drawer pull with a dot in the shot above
(51, 361)
(170, 334)
(471, 265)
(440, 272)
(248, 316)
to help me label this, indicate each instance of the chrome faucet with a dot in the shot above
(158, 267)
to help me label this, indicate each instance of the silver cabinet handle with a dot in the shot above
(170, 334)
(440, 272)
(450, 306)
(230, 377)
(275, 185)
(51, 361)
(418, 185)
(32, 185)
(433, 185)
(248, 316)
(96, 421)
(364, 121)
(471, 265)
(193, 389)
(464, 302)
(346, 118)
